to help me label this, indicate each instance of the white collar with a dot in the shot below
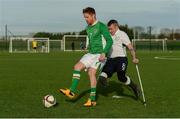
(117, 32)
(95, 23)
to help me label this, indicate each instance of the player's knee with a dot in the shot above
(91, 72)
(78, 66)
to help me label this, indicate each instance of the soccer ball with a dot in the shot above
(49, 101)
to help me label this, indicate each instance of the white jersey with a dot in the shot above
(120, 41)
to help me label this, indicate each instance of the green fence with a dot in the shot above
(157, 45)
(4, 45)
(173, 45)
(148, 45)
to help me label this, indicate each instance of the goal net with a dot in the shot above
(147, 44)
(28, 45)
(173, 45)
(56, 45)
(74, 42)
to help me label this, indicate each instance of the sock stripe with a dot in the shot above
(93, 92)
(93, 96)
(75, 77)
(78, 75)
(75, 80)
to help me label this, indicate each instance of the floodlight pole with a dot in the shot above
(150, 29)
(6, 35)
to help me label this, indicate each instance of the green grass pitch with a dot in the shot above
(26, 78)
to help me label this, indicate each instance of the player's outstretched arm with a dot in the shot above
(135, 60)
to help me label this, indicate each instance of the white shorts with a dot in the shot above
(91, 60)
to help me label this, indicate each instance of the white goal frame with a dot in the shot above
(75, 36)
(164, 44)
(28, 44)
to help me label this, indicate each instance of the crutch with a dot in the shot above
(140, 82)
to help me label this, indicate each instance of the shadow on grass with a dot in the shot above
(82, 94)
(112, 87)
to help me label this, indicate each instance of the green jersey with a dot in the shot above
(95, 33)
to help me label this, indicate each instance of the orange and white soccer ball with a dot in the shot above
(49, 101)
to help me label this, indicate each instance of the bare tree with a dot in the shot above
(165, 31)
(138, 30)
(177, 31)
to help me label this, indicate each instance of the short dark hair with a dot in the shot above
(112, 22)
(89, 10)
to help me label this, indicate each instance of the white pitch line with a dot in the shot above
(167, 58)
(117, 96)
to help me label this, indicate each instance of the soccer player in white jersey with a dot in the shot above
(117, 59)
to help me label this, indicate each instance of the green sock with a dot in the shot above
(93, 94)
(75, 80)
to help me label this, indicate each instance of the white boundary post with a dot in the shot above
(10, 46)
(28, 46)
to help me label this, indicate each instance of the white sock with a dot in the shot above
(128, 81)
(103, 74)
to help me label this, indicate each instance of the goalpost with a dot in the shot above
(147, 44)
(74, 42)
(24, 45)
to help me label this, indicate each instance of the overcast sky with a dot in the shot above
(25, 16)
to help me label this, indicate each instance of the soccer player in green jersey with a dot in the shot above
(91, 61)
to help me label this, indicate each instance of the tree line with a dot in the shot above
(137, 32)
